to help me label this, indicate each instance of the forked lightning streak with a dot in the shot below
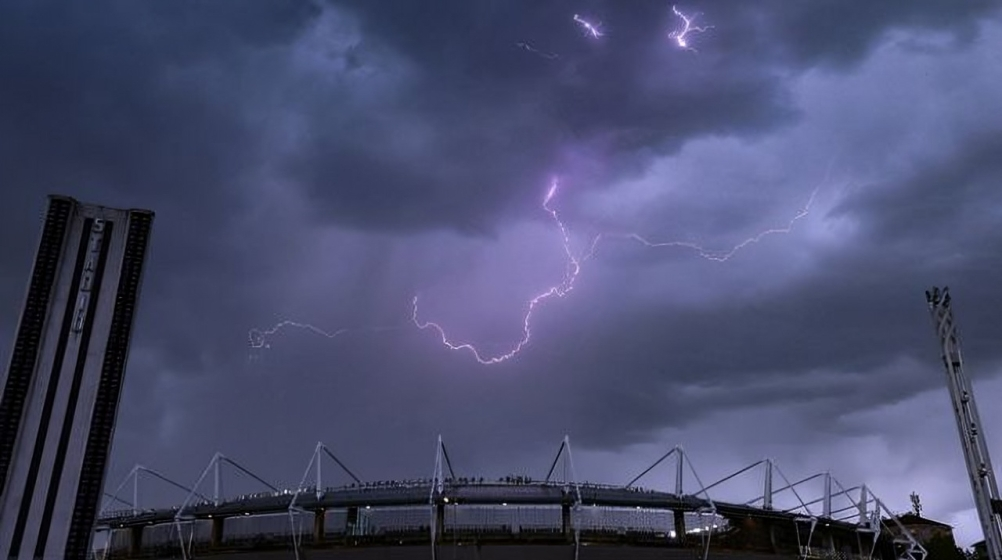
(574, 266)
(681, 35)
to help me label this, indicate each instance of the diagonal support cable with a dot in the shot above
(347, 471)
(819, 500)
(181, 515)
(650, 468)
(852, 507)
(115, 498)
(788, 486)
(134, 477)
(730, 476)
(553, 466)
(793, 487)
(295, 511)
(448, 462)
(239, 467)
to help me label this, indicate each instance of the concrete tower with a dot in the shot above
(61, 392)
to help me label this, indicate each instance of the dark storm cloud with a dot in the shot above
(852, 335)
(939, 201)
(515, 118)
(97, 107)
(430, 117)
(840, 34)
(98, 103)
(89, 93)
(509, 119)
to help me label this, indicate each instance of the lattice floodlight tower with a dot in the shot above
(972, 438)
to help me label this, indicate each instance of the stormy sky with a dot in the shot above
(326, 162)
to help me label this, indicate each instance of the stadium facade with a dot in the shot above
(447, 516)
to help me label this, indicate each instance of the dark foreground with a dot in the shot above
(497, 552)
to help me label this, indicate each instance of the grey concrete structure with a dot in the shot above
(61, 391)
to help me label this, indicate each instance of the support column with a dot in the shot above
(679, 469)
(767, 491)
(680, 535)
(135, 541)
(565, 520)
(351, 521)
(439, 521)
(217, 532)
(319, 529)
(861, 506)
(827, 499)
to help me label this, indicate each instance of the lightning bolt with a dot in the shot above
(260, 338)
(680, 35)
(527, 47)
(560, 290)
(589, 28)
(721, 256)
(574, 267)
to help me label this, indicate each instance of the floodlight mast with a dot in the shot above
(972, 436)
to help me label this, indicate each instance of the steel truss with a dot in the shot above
(568, 465)
(295, 511)
(102, 552)
(436, 492)
(869, 512)
(215, 466)
(681, 461)
(906, 546)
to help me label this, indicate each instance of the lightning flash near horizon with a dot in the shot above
(681, 35)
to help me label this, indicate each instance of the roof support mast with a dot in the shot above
(972, 439)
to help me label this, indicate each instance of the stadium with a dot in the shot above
(443, 516)
(448, 516)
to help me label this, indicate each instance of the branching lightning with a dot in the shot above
(260, 339)
(574, 266)
(558, 290)
(593, 29)
(527, 47)
(681, 34)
